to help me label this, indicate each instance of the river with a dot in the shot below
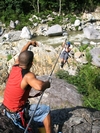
(73, 36)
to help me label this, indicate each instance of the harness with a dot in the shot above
(19, 118)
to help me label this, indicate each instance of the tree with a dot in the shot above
(59, 7)
(38, 6)
(33, 4)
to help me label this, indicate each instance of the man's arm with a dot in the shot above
(34, 43)
(63, 44)
(25, 48)
(30, 79)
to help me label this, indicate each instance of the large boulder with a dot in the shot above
(76, 120)
(95, 53)
(26, 34)
(91, 33)
(54, 30)
(60, 94)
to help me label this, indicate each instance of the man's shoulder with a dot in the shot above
(30, 74)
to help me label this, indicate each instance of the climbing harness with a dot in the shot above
(19, 118)
(49, 78)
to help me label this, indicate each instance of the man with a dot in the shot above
(18, 86)
(65, 53)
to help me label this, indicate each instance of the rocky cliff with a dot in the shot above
(66, 120)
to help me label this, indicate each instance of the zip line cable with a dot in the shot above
(49, 78)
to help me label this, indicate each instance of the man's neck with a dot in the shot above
(23, 66)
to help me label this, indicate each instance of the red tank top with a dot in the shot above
(15, 97)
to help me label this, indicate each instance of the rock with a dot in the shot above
(54, 30)
(66, 120)
(17, 22)
(85, 41)
(1, 30)
(12, 36)
(7, 36)
(91, 33)
(77, 23)
(42, 28)
(12, 24)
(95, 53)
(7, 126)
(60, 94)
(76, 120)
(76, 43)
(26, 33)
(93, 43)
(80, 57)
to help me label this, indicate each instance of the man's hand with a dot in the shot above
(25, 47)
(34, 43)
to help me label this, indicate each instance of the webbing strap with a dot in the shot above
(22, 118)
(24, 124)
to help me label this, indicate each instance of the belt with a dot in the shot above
(10, 111)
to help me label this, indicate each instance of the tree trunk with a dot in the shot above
(38, 6)
(59, 7)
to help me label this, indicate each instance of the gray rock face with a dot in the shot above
(76, 120)
(26, 33)
(60, 94)
(91, 33)
(65, 120)
(95, 53)
(54, 30)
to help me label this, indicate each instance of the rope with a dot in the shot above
(49, 78)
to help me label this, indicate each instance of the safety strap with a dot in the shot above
(24, 124)
(22, 118)
(36, 95)
(21, 124)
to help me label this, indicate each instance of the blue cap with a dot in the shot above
(68, 43)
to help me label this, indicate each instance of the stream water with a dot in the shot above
(73, 36)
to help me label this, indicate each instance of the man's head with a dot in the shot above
(68, 44)
(26, 58)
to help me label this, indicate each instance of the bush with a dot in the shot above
(83, 47)
(71, 18)
(9, 57)
(87, 83)
(97, 82)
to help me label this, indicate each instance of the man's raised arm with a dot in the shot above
(25, 48)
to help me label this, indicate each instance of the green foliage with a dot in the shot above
(57, 20)
(97, 82)
(88, 57)
(3, 18)
(71, 18)
(83, 47)
(20, 10)
(24, 21)
(87, 82)
(19, 27)
(76, 28)
(27, 6)
(72, 6)
(9, 57)
(46, 12)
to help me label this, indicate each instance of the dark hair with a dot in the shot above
(26, 57)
